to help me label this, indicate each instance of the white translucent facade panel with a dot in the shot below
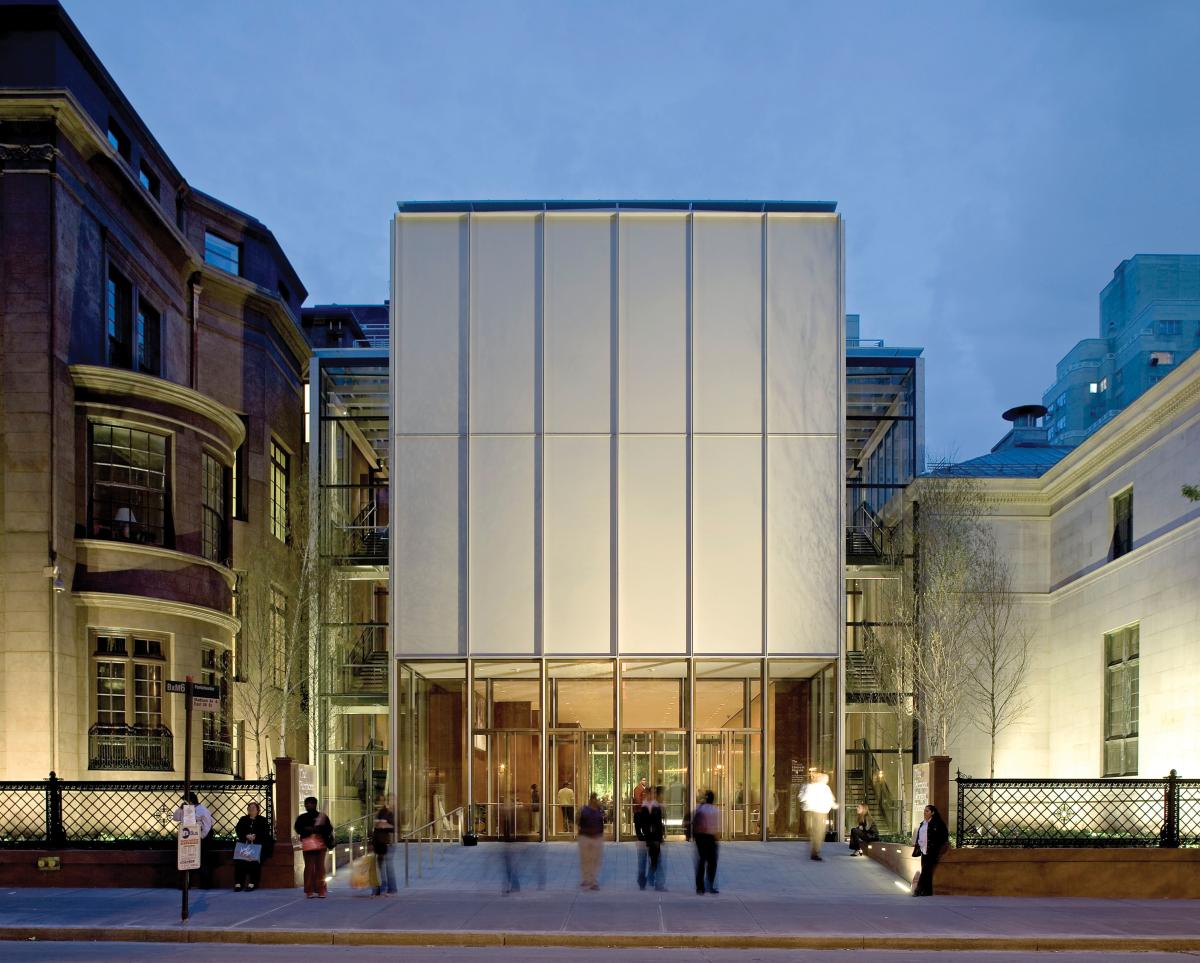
(576, 538)
(804, 323)
(430, 297)
(428, 488)
(578, 322)
(653, 323)
(727, 323)
(505, 300)
(804, 543)
(727, 544)
(501, 535)
(652, 544)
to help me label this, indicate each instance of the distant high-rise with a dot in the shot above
(1149, 322)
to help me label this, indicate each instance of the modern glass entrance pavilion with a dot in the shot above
(617, 509)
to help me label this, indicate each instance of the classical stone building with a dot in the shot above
(1105, 554)
(151, 423)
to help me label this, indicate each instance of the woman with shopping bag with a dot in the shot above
(254, 844)
(316, 839)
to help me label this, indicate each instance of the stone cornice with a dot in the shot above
(281, 318)
(61, 106)
(117, 381)
(154, 551)
(143, 603)
(1118, 438)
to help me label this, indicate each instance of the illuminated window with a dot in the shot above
(1121, 682)
(279, 634)
(222, 253)
(1122, 513)
(213, 506)
(279, 491)
(129, 485)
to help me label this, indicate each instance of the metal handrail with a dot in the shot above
(349, 829)
(454, 817)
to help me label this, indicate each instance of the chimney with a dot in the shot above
(1025, 431)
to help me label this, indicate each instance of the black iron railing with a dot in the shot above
(218, 756)
(1023, 813)
(57, 813)
(131, 748)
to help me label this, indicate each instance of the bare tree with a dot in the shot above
(275, 606)
(999, 657)
(943, 524)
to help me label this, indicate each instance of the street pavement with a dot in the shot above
(771, 895)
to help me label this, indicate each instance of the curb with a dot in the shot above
(467, 938)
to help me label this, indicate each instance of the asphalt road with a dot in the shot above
(137, 952)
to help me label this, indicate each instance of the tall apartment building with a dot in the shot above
(1149, 324)
(151, 426)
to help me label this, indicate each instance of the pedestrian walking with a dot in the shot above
(316, 838)
(535, 810)
(650, 829)
(381, 842)
(508, 842)
(863, 831)
(566, 803)
(706, 828)
(931, 842)
(591, 843)
(817, 799)
(252, 830)
(204, 823)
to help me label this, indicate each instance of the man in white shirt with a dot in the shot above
(817, 799)
(204, 822)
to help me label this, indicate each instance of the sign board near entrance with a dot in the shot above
(187, 852)
(177, 687)
(206, 698)
(920, 796)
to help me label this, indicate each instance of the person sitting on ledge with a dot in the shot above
(863, 831)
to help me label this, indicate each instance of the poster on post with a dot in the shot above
(187, 853)
(920, 792)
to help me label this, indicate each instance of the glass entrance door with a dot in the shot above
(579, 764)
(728, 763)
(660, 758)
(505, 773)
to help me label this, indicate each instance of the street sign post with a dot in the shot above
(206, 698)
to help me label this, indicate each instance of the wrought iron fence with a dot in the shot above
(56, 813)
(1026, 813)
(218, 756)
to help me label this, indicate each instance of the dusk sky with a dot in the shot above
(994, 162)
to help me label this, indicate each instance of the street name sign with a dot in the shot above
(206, 698)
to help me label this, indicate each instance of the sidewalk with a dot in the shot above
(772, 895)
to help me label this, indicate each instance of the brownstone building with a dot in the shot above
(151, 425)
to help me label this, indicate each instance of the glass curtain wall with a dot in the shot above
(349, 601)
(542, 735)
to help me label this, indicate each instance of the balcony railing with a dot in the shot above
(130, 748)
(218, 756)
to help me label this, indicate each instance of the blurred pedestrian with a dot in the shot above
(566, 803)
(316, 839)
(863, 831)
(639, 792)
(204, 824)
(535, 810)
(817, 799)
(381, 844)
(251, 830)
(508, 843)
(650, 829)
(591, 843)
(706, 828)
(931, 842)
